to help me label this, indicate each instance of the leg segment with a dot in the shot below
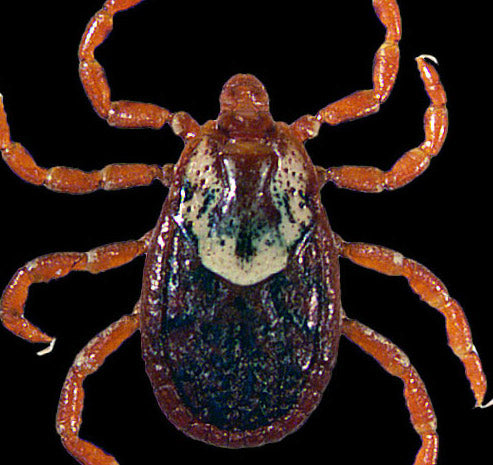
(385, 67)
(413, 162)
(69, 415)
(71, 180)
(393, 360)
(123, 113)
(54, 266)
(430, 289)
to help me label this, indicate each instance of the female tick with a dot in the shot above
(240, 310)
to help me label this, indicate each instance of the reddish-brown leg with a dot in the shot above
(396, 362)
(69, 415)
(54, 266)
(72, 180)
(415, 161)
(123, 113)
(364, 102)
(430, 289)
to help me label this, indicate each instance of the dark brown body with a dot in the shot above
(240, 365)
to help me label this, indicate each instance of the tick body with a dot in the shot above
(240, 311)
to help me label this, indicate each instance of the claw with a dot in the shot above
(428, 57)
(489, 404)
(47, 349)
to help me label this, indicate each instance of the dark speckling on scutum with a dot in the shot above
(244, 243)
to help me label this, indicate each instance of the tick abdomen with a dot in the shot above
(238, 361)
(242, 358)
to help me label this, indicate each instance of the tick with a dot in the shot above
(240, 311)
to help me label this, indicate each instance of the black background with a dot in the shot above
(306, 54)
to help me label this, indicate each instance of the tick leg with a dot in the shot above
(431, 290)
(385, 66)
(415, 161)
(54, 266)
(122, 113)
(72, 180)
(69, 415)
(393, 360)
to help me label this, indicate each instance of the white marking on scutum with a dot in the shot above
(219, 240)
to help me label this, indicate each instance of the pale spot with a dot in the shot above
(29, 266)
(313, 310)
(398, 259)
(176, 125)
(80, 359)
(403, 359)
(92, 256)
